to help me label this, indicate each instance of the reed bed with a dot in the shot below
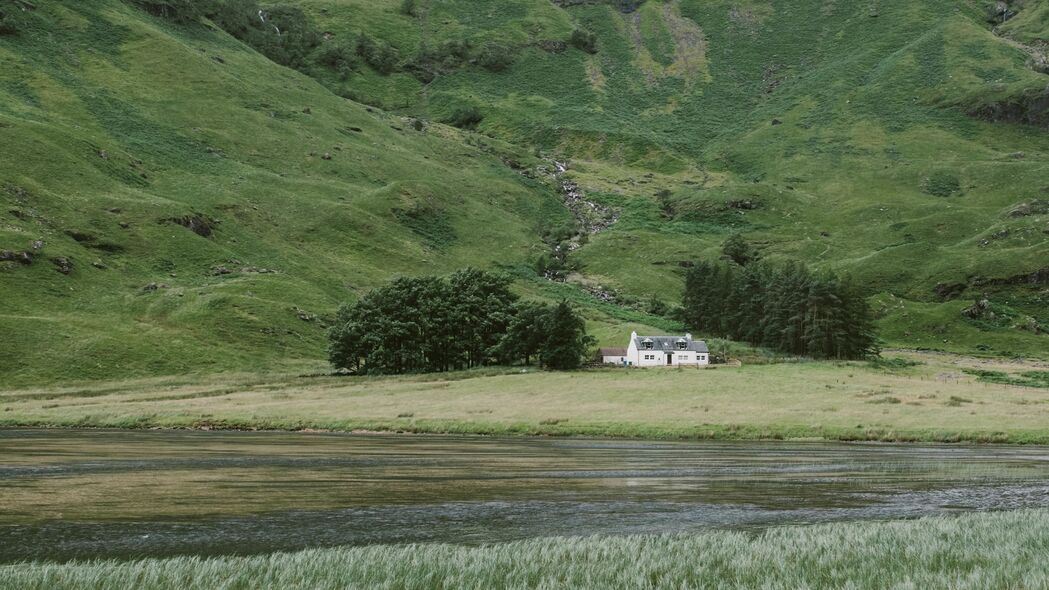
(978, 551)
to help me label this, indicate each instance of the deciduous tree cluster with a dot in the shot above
(469, 319)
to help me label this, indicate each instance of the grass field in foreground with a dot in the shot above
(940, 398)
(996, 550)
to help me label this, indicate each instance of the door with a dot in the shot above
(670, 358)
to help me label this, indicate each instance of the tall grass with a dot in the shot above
(998, 550)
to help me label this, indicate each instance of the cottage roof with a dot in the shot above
(670, 343)
(612, 352)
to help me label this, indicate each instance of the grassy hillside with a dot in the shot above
(215, 207)
(190, 206)
(880, 138)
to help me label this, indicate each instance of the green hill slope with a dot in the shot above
(211, 204)
(212, 208)
(902, 141)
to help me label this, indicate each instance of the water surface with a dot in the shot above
(73, 494)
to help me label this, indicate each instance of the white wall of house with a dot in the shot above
(641, 357)
(614, 360)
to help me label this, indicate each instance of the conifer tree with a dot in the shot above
(566, 343)
(784, 307)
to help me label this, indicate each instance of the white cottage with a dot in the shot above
(658, 351)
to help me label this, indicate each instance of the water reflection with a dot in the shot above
(74, 494)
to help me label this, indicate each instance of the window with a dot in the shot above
(702, 357)
(682, 345)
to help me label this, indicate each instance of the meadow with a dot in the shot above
(916, 397)
(974, 551)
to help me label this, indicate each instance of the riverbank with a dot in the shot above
(916, 398)
(990, 550)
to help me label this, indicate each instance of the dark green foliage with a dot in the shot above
(465, 117)
(566, 344)
(555, 335)
(424, 324)
(1025, 379)
(293, 39)
(337, 57)
(894, 363)
(783, 307)
(13, 16)
(627, 6)
(657, 307)
(526, 333)
(410, 8)
(283, 33)
(381, 56)
(430, 223)
(433, 60)
(739, 250)
(469, 319)
(181, 11)
(941, 184)
(495, 57)
(583, 40)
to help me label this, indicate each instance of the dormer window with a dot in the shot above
(647, 343)
(682, 345)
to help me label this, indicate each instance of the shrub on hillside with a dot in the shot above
(739, 250)
(236, 17)
(583, 40)
(12, 16)
(433, 60)
(465, 117)
(282, 33)
(8, 25)
(941, 184)
(182, 11)
(294, 37)
(495, 57)
(410, 8)
(337, 57)
(379, 55)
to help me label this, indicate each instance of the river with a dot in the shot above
(70, 494)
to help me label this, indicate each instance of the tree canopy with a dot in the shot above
(469, 319)
(785, 307)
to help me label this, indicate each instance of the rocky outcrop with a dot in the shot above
(63, 264)
(979, 310)
(1001, 11)
(1035, 207)
(24, 257)
(591, 217)
(225, 269)
(199, 224)
(1026, 109)
(1037, 278)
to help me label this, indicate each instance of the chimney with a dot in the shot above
(688, 337)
